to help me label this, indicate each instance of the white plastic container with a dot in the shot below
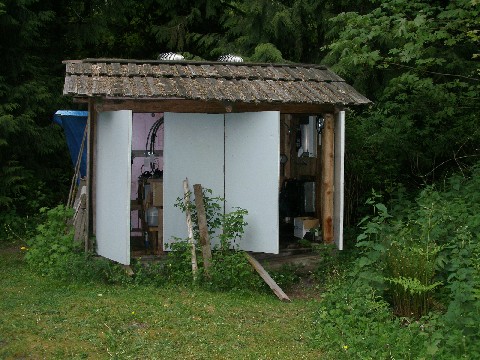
(152, 216)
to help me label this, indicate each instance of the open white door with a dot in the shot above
(113, 177)
(252, 168)
(339, 178)
(193, 149)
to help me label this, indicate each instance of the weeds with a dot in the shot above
(420, 263)
(53, 252)
(229, 269)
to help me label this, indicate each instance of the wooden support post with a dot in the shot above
(89, 206)
(318, 181)
(267, 278)
(186, 199)
(288, 146)
(203, 227)
(93, 174)
(327, 190)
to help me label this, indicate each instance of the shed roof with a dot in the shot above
(237, 83)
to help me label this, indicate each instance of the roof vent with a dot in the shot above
(170, 56)
(230, 58)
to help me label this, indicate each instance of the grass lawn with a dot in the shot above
(45, 318)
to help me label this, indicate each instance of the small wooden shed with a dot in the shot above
(239, 129)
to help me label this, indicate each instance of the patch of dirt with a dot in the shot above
(10, 249)
(305, 289)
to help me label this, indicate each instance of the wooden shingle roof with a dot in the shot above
(242, 84)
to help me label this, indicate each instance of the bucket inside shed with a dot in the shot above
(259, 161)
(146, 195)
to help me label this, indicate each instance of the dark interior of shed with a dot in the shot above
(300, 168)
(299, 181)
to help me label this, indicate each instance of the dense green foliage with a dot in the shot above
(416, 60)
(32, 153)
(229, 268)
(422, 261)
(52, 251)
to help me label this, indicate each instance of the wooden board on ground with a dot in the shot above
(267, 278)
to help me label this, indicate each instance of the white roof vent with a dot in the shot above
(170, 56)
(230, 58)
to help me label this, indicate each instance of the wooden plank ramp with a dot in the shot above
(267, 278)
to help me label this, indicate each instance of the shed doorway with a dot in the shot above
(235, 155)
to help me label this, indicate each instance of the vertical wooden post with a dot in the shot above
(285, 147)
(93, 174)
(191, 240)
(327, 191)
(318, 181)
(90, 151)
(202, 227)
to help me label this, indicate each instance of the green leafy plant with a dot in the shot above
(229, 268)
(178, 267)
(415, 285)
(51, 249)
(233, 226)
(286, 276)
(53, 252)
(213, 211)
(354, 322)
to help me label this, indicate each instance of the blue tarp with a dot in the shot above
(73, 124)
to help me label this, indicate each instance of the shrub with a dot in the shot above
(229, 268)
(53, 252)
(420, 262)
(354, 322)
(286, 276)
(52, 248)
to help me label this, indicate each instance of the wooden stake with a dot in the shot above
(76, 171)
(267, 278)
(186, 199)
(328, 152)
(80, 218)
(203, 227)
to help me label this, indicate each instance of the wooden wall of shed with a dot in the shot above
(298, 168)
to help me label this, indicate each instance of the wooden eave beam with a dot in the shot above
(206, 107)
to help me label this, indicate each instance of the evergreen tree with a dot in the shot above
(416, 61)
(32, 151)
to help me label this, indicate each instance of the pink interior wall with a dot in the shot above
(141, 124)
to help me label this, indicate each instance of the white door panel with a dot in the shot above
(252, 167)
(113, 178)
(193, 149)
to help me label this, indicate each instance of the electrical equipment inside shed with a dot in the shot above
(300, 177)
(147, 184)
(299, 181)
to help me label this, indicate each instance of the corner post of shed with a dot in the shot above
(328, 178)
(90, 206)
